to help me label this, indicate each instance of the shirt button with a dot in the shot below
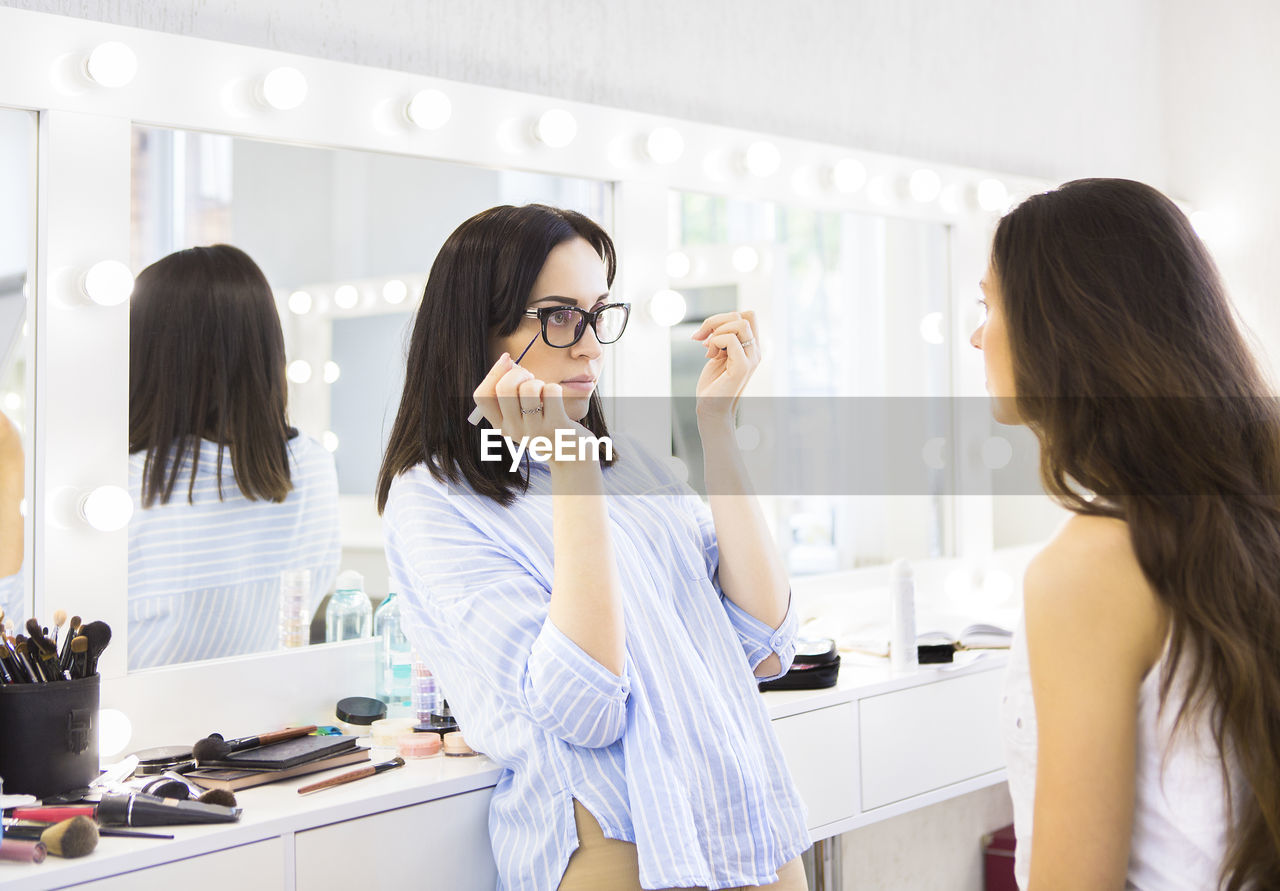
(1019, 723)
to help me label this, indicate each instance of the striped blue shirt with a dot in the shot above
(13, 597)
(204, 578)
(677, 755)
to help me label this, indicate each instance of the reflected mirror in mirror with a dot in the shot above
(855, 313)
(345, 240)
(17, 244)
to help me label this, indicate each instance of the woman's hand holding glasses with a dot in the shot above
(520, 406)
(732, 357)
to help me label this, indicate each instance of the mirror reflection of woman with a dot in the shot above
(228, 495)
(1142, 708)
(598, 629)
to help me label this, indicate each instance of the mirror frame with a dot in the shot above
(84, 206)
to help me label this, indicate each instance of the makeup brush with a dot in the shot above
(64, 658)
(23, 851)
(76, 837)
(99, 634)
(59, 618)
(44, 651)
(352, 775)
(224, 797)
(20, 648)
(214, 748)
(79, 656)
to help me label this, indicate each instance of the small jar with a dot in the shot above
(419, 745)
(387, 732)
(356, 714)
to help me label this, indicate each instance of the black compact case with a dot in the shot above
(815, 667)
(49, 736)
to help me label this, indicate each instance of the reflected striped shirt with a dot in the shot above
(676, 755)
(204, 578)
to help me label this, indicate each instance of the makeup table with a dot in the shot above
(874, 746)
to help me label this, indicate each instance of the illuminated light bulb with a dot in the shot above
(107, 508)
(346, 296)
(678, 264)
(12, 401)
(114, 731)
(664, 145)
(762, 159)
(299, 371)
(880, 191)
(667, 307)
(931, 328)
(556, 128)
(992, 195)
(329, 440)
(299, 303)
(996, 452)
(934, 453)
(678, 468)
(283, 89)
(925, 185)
(111, 64)
(748, 437)
(22, 507)
(108, 283)
(331, 371)
(395, 291)
(429, 109)
(848, 175)
(746, 258)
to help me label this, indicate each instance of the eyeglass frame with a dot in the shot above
(543, 313)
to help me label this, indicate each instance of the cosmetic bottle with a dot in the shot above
(426, 694)
(350, 615)
(295, 617)
(902, 642)
(394, 657)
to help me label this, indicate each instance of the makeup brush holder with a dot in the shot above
(49, 736)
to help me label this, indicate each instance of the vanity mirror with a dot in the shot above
(17, 249)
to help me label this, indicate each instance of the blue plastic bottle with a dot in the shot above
(395, 658)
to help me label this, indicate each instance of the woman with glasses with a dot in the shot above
(598, 629)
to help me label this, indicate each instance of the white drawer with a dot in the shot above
(438, 844)
(819, 750)
(258, 865)
(927, 737)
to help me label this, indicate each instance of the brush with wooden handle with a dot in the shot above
(352, 775)
(214, 748)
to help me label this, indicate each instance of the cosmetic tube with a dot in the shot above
(902, 640)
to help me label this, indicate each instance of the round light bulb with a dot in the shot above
(992, 195)
(329, 440)
(331, 371)
(556, 128)
(848, 175)
(996, 452)
(931, 327)
(111, 64)
(108, 283)
(925, 185)
(114, 731)
(12, 401)
(107, 508)
(283, 89)
(746, 258)
(667, 307)
(346, 296)
(429, 109)
(299, 303)
(748, 437)
(664, 145)
(395, 291)
(678, 264)
(299, 371)
(762, 159)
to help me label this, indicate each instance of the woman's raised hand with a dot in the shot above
(521, 407)
(732, 357)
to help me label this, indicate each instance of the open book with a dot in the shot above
(973, 637)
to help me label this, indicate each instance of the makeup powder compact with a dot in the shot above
(153, 762)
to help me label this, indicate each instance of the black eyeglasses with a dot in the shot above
(563, 326)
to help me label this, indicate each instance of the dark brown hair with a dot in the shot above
(1129, 367)
(206, 360)
(478, 289)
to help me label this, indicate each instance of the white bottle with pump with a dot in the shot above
(902, 639)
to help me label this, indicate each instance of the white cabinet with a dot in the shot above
(820, 751)
(438, 844)
(929, 736)
(259, 866)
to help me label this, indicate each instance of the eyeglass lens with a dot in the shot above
(565, 326)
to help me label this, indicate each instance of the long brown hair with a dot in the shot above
(478, 289)
(206, 360)
(1131, 370)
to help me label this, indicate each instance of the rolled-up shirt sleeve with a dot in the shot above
(491, 614)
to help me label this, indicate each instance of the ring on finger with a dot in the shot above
(531, 411)
(747, 343)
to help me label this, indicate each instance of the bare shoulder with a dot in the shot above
(1086, 585)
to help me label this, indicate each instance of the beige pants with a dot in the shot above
(606, 864)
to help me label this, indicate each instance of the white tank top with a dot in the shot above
(1180, 812)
